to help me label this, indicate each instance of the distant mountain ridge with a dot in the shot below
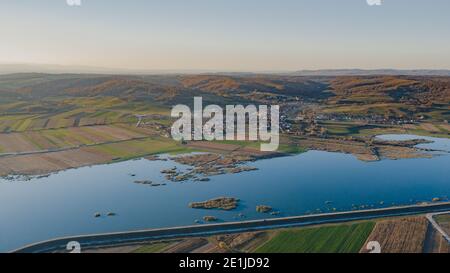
(371, 72)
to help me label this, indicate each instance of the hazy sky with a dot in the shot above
(238, 35)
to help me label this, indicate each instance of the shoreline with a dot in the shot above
(372, 155)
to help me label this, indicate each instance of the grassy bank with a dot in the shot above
(329, 239)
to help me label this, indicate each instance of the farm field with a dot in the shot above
(444, 222)
(343, 238)
(71, 112)
(66, 138)
(329, 239)
(435, 243)
(44, 163)
(154, 248)
(405, 235)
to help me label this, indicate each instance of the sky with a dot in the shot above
(227, 35)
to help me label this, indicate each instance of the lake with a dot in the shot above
(64, 203)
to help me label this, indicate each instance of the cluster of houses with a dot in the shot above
(370, 119)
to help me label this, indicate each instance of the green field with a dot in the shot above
(445, 219)
(139, 148)
(283, 147)
(330, 239)
(291, 149)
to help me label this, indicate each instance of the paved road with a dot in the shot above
(111, 239)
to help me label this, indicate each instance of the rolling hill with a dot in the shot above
(361, 95)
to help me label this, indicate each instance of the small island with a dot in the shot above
(210, 219)
(263, 209)
(223, 203)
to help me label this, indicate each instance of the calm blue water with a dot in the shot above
(438, 144)
(64, 204)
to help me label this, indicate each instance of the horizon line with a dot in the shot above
(87, 69)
